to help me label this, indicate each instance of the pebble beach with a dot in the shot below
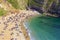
(11, 25)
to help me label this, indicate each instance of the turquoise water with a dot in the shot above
(44, 28)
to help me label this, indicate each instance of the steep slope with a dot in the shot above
(45, 6)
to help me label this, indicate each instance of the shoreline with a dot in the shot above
(26, 24)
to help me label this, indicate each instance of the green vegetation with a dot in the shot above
(48, 4)
(14, 3)
(2, 12)
(50, 1)
(23, 4)
(18, 4)
(59, 4)
(32, 2)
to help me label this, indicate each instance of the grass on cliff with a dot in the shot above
(2, 12)
(23, 4)
(18, 4)
(14, 3)
(32, 2)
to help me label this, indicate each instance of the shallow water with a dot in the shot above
(44, 28)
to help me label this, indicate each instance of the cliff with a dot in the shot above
(46, 6)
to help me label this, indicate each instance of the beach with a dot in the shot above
(11, 25)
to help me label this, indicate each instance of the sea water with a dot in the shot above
(44, 28)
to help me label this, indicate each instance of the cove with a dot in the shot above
(44, 28)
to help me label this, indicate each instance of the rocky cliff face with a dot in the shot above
(45, 6)
(55, 9)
